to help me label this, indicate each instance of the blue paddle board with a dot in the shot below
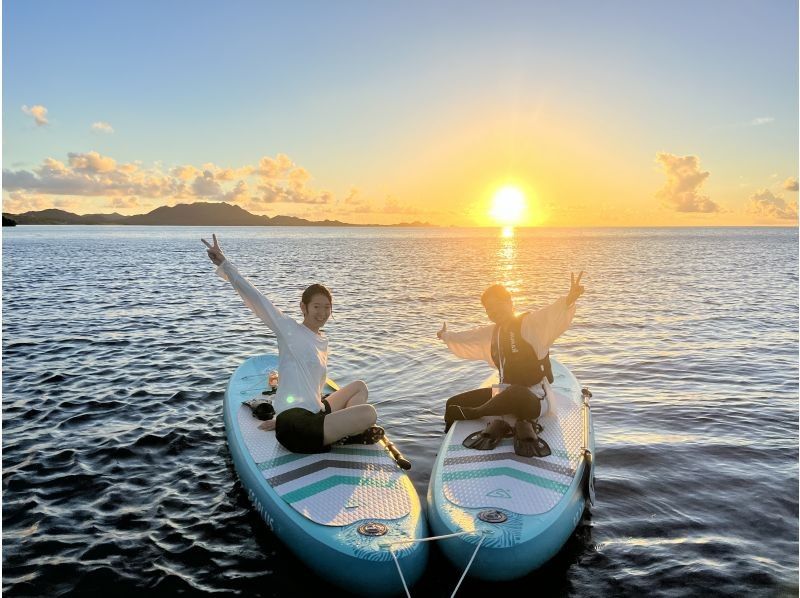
(514, 513)
(350, 514)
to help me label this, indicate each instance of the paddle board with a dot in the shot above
(517, 512)
(348, 514)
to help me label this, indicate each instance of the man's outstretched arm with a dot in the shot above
(541, 328)
(475, 343)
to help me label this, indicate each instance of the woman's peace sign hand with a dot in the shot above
(576, 289)
(214, 251)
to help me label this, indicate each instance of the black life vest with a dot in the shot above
(520, 365)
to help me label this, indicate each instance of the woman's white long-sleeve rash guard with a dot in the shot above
(302, 353)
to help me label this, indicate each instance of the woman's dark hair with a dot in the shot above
(315, 289)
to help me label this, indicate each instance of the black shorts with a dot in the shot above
(302, 431)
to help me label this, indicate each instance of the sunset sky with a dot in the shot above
(618, 113)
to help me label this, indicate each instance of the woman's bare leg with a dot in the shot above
(352, 394)
(348, 422)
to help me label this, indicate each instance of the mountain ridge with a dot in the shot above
(184, 214)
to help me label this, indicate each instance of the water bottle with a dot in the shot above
(272, 380)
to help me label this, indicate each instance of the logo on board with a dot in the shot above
(499, 493)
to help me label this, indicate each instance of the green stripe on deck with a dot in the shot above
(282, 460)
(333, 481)
(505, 471)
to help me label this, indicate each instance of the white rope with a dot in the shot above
(463, 575)
(429, 538)
(415, 540)
(399, 570)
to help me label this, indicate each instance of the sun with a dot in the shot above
(508, 206)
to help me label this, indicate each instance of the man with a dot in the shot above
(518, 346)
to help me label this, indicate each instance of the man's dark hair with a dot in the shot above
(496, 291)
(315, 289)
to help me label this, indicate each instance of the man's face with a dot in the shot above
(499, 310)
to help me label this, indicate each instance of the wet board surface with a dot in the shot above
(348, 484)
(501, 479)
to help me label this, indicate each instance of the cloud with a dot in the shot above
(124, 203)
(205, 185)
(239, 194)
(352, 197)
(354, 203)
(761, 120)
(39, 114)
(790, 184)
(274, 168)
(186, 173)
(128, 168)
(91, 162)
(278, 180)
(18, 203)
(768, 205)
(394, 206)
(91, 174)
(102, 127)
(684, 182)
(279, 192)
(282, 181)
(228, 174)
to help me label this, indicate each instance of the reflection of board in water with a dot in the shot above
(337, 511)
(521, 510)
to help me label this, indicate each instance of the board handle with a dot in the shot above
(395, 453)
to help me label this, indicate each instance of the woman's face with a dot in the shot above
(317, 312)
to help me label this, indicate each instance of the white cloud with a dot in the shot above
(282, 181)
(102, 127)
(17, 203)
(274, 168)
(768, 205)
(790, 184)
(761, 120)
(92, 174)
(91, 162)
(280, 192)
(684, 182)
(227, 174)
(39, 114)
(186, 173)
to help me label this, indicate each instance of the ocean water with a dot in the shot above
(118, 343)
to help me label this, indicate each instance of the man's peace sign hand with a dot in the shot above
(575, 288)
(214, 251)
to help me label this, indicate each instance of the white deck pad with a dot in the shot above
(501, 479)
(348, 484)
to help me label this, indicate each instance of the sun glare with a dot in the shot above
(508, 206)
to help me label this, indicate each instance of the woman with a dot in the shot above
(305, 423)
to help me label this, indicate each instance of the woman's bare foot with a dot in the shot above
(267, 426)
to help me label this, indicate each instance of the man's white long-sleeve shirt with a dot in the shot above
(302, 353)
(539, 328)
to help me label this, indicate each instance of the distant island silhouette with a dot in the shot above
(185, 214)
